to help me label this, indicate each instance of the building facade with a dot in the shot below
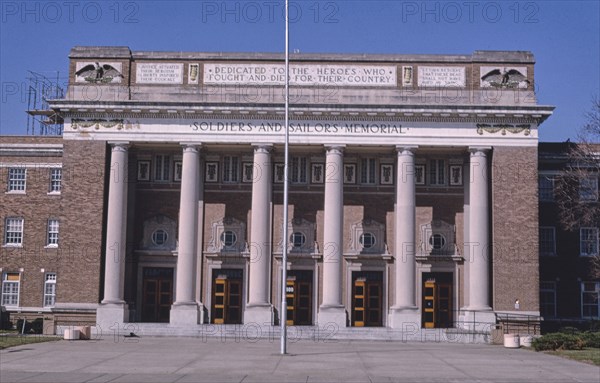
(413, 194)
(569, 284)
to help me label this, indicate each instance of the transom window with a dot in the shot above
(367, 171)
(10, 289)
(17, 179)
(55, 180)
(53, 232)
(230, 169)
(437, 172)
(546, 188)
(162, 167)
(228, 238)
(588, 241)
(50, 290)
(298, 239)
(367, 240)
(13, 233)
(588, 189)
(159, 237)
(547, 241)
(298, 169)
(437, 241)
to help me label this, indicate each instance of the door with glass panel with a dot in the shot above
(227, 296)
(367, 298)
(299, 297)
(157, 294)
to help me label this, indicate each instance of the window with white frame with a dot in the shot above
(162, 167)
(588, 189)
(298, 170)
(547, 240)
(230, 169)
(10, 289)
(50, 290)
(52, 232)
(548, 299)
(437, 172)
(588, 241)
(367, 171)
(17, 178)
(590, 299)
(546, 187)
(13, 232)
(55, 180)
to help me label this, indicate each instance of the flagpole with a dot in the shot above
(283, 315)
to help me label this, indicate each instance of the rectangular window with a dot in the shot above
(17, 179)
(52, 232)
(50, 290)
(588, 189)
(548, 299)
(437, 172)
(590, 299)
(547, 241)
(298, 170)
(55, 180)
(10, 289)
(588, 241)
(367, 171)
(546, 188)
(230, 169)
(13, 233)
(162, 165)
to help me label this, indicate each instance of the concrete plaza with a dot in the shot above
(215, 360)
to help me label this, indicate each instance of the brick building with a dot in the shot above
(413, 194)
(568, 287)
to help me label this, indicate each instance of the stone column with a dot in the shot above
(185, 310)
(259, 309)
(113, 308)
(404, 313)
(332, 310)
(479, 257)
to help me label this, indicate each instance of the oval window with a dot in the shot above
(228, 238)
(159, 237)
(367, 240)
(437, 241)
(298, 239)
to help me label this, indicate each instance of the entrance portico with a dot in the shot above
(386, 187)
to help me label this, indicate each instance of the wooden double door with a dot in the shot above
(299, 297)
(157, 293)
(437, 308)
(227, 297)
(367, 298)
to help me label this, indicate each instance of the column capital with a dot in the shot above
(191, 147)
(335, 149)
(407, 150)
(479, 150)
(122, 146)
(263, 148)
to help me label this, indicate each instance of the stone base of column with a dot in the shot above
(109, 314)
(261, 315)
(335, 315)
(477, 320)
(185, 314)
(403, 318)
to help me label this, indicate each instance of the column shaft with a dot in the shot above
(115, 226)
(405, 230)
(188, 225)
(479, 266)
(260, 246)
(333, 227)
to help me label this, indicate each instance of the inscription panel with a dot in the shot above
(307, 75)
(444, 76)
(159, 73)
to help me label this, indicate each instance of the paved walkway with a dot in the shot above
(217, 360)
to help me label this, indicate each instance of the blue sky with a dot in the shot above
(563, 35)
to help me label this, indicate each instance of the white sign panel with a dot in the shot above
(442, 76)
(308, 75)
(159, 73)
